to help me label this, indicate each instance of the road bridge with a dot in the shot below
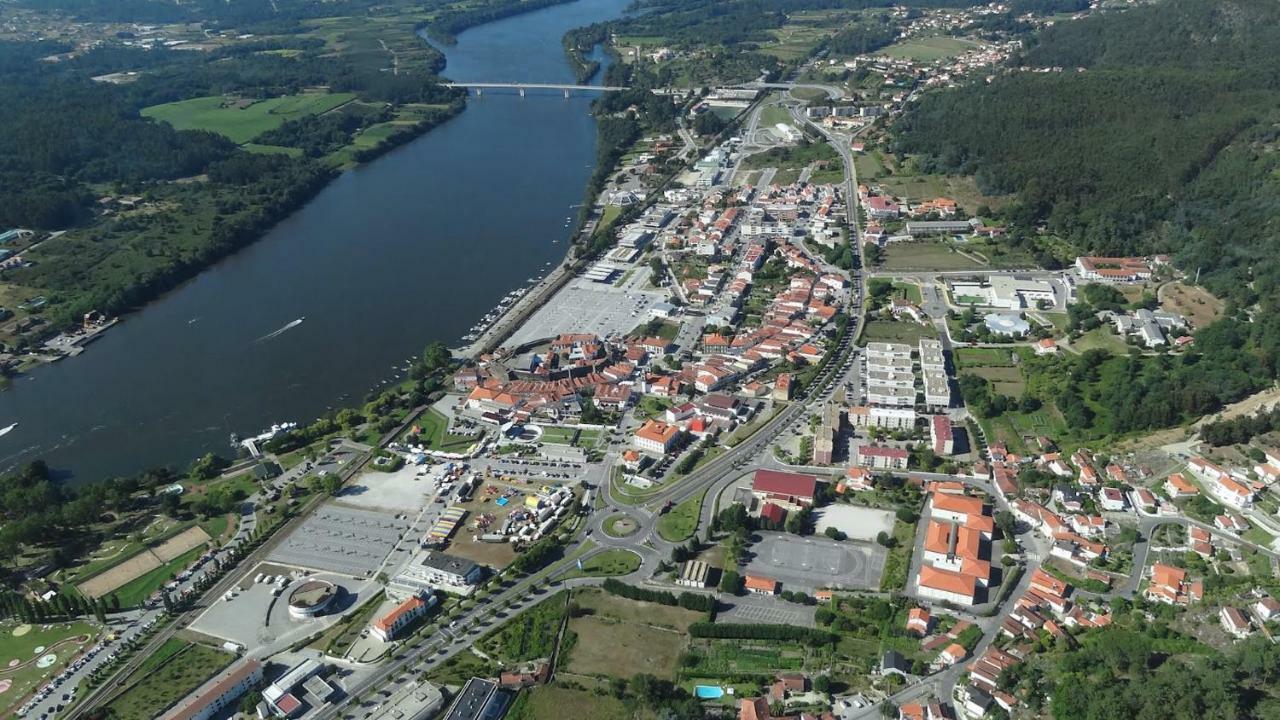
(480, 87)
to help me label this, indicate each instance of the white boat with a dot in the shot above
(6, 430)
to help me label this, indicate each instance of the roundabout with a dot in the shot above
(620, 526)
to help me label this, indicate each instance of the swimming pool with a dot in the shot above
(708, 692)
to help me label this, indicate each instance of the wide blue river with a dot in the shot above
(413, 247)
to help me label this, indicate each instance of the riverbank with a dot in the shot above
(415, 246)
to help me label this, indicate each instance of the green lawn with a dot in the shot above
(897, 331)
(23, 648)
(1103, 338)
(168, 682)
(613, 526)
(926, 256)
(680, 522)
(242, 124)
(549, 702)
(434, 425)
(908, 291)
(967, 357)
(614, 561)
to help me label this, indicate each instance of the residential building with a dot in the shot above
(479, 699)
(1169, 585)
(221, 691)
(1235, 623)
(941, 435)
(919, 621)
(1267, 608)
(880, 417)
(882, 458)
(1177, 486)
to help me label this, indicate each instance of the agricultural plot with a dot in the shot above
(897, 331)
(621, 638)
(548, 702)
(242, 119)
(168, 683)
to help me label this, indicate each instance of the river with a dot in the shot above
(415, 246)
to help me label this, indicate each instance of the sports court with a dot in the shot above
(811, 563)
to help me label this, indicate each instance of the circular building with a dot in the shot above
(1009, 324)
(311, 598)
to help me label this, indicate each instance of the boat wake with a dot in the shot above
(287, 327)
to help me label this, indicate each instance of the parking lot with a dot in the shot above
(812, 563)
(752, 609)
(343, 540)
(584, 306)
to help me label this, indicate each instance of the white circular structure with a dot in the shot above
(1006, 324)
(311, 598)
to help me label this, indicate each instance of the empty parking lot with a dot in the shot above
(812, 563)
(584, 306)
(340, 539)
(763, 611)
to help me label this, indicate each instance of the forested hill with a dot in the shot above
(1157, 133)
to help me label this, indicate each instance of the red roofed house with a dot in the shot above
(918, 621)
(792, 491)
(760, 585)
(941, 435)
(1177, 486)
(754, 709)
(773, 513)
(386, 627)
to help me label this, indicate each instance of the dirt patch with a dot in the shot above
(179, 544)
(1196, 304)
(120, 575)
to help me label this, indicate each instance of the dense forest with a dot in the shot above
(1157, 135)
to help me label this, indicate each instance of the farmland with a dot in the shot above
(170, 681)
(926, 256)
(241, 120)
(621, 637)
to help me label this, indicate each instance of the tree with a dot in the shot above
(435, 357)
(730, 582)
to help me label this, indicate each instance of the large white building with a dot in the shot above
(879, 417)
(431, 570)
(1011, 292)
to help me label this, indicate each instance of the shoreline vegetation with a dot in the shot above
(174, 217)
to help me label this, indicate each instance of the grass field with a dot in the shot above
(898, 562)
(897, 331)
(619, 526)
(967, 357)
(614, 561)
(531, 638)
(925, 256)
(929, 49)
(1101, 338)
(168, 682)
(242, 124)
(58, 639)
(621, 637)
(549, 702)
(1004, 380)
(435, 436)
(680, 522)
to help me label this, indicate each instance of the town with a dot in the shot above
(810, 438)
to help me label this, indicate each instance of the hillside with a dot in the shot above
(1155, 134)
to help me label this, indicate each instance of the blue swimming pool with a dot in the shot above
(708, 692)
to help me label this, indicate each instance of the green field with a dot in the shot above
(967, 357)
(242, 124)
(680, 522)
(897, 331)
(929, 49)
(1101, 338)
(926, 256)
(434, 426)
(22, 647)
(549, 703)
(170, 681)
(614, 561)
